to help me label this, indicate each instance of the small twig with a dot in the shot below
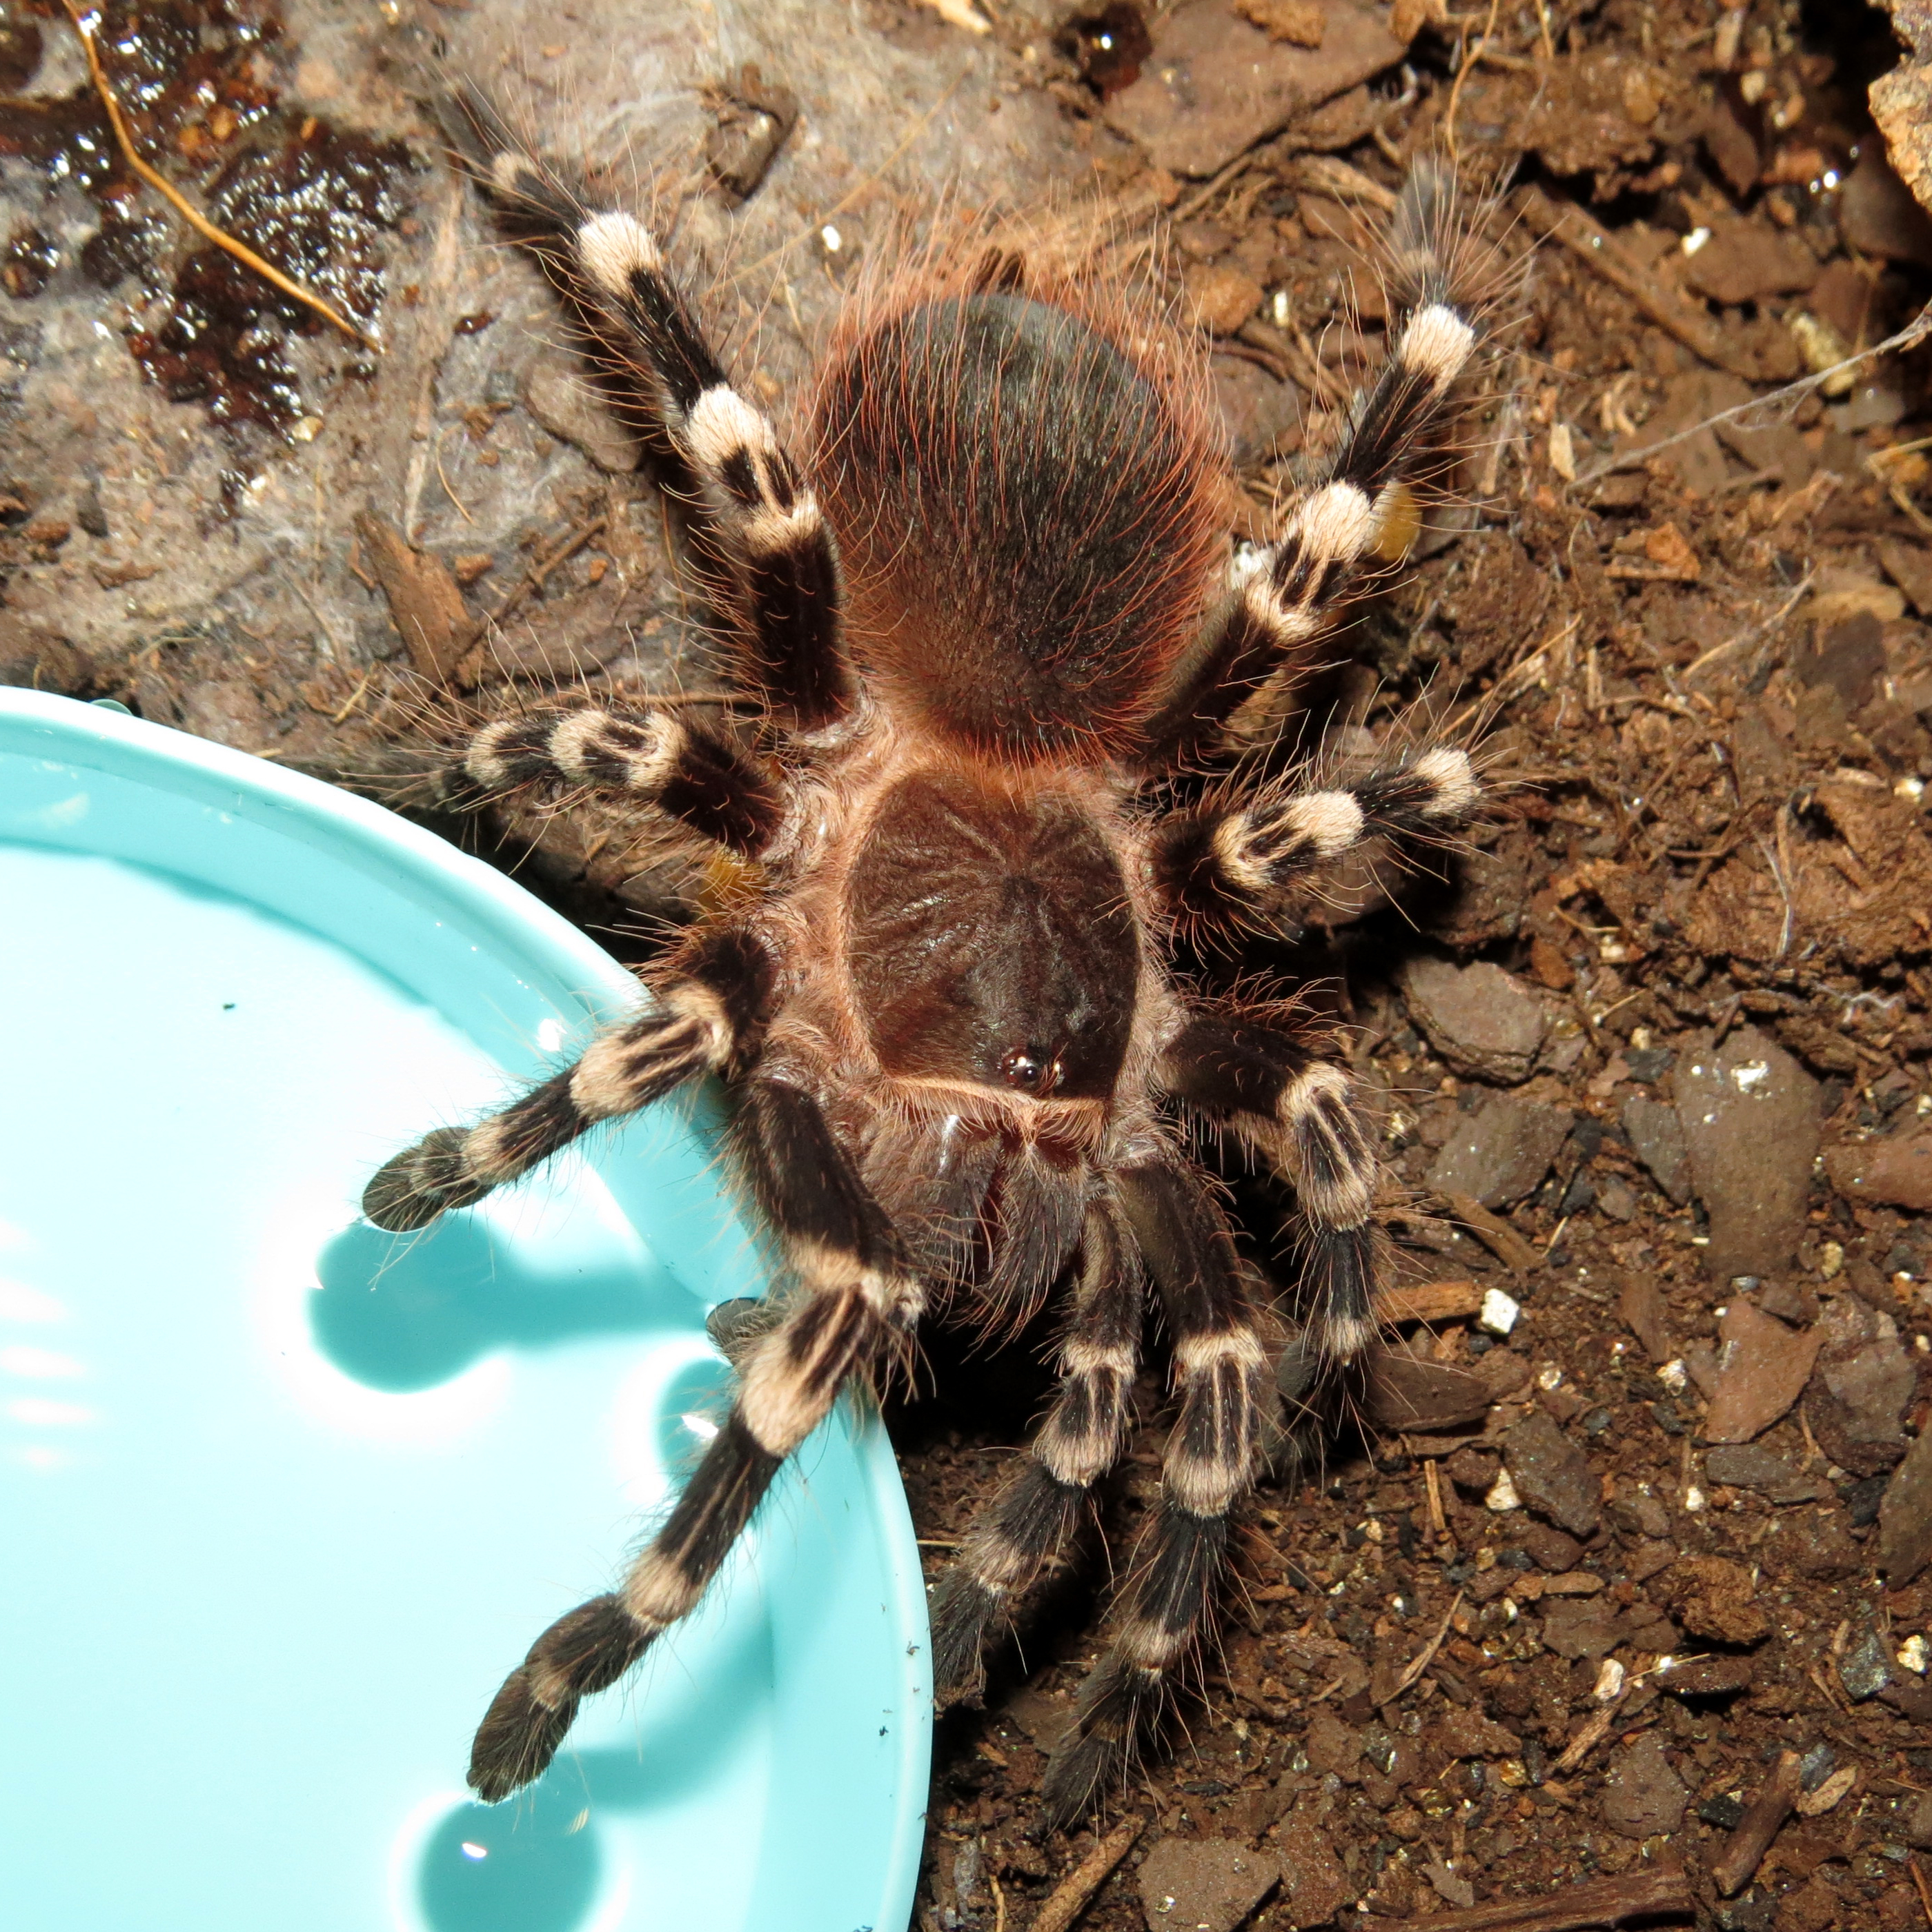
(1575, 230)
(1203, 195)
(1909, 337)
(1494, 1232)
(1750, 1838)
(999, 1903)
(1462, 75)
(1425, 1656)
(1918, 1879)
(185, 209)
(1659, 1893)
(1437, 1522)
(1756, 632)
(1429, 1301)
(1071, 1896)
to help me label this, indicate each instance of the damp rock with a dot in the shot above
(1905, 1516)
(1712, 1597)
(1897, 1172)
(1750, 1116)
(1643, 1796)
(1749, 1465)
(1552, 1475)
(1501, 1152)
(1745, 261)
(1481, 1020)
(1761, 1368)
(1203, 1885)
(1656, 1136)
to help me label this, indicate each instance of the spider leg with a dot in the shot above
(688, 768)
(1299, 1111)
(1222, 1370)
(707, 1017)
(647, 344)
(1226, 865)
(1027, 1526)
(1340, 535)
(858, 1299)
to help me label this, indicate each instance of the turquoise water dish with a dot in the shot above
(284, 1497)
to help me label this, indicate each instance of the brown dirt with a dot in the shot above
(1705, 678)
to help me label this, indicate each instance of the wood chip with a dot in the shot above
(426, 605)
(1071, 1896)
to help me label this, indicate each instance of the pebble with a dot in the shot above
(1745, 261)
(1656, 1136)
(1317, 1886)
(560, 399)
(1712, 1597)
(1905, 1516)
(1481, 1020)
(1864, 1666)
(1203, 1885)
(1864, 1379)
(1223, 298)
(1643, 1796)
(1552, 1476)
(1762, 1367)
(1708, 1676)
(1749, 1465)
(1878, 214)
(1897, 1172)
(1500, 1153)
(1580, 1626)
(1750, 1116)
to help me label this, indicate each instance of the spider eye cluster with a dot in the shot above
(1032, 1069)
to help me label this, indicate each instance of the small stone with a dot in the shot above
(1712, 1597)
(1905, 1516)
(1552, 1474)
(1864, 1379)
(1502, 1495)
(1877, 213)
(1317, 1886)
(1657, 1137)
(1481, 1019)
(1203, 1885)
(1501, 1152)
(1223, 298)
(1643, 1796)
(1864, 1667)
(1330, 1745)
(1708, 1676)
(1580, 1626)
(1647, 1315)
(1499, 1311)
(565, 403)
(1897, 1172)
(1749, 1465)
(1299, 21)
(1549, 1548)
(1762, 1367)
(1615, 1198)
(1745, 261)
(1749, 1115)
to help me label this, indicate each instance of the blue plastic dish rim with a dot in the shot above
(449, 883)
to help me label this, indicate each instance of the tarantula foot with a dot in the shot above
(419, 1184)
(516, 1739)
(1115, 1703)
(964, 1612)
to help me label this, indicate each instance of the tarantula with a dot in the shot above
(987, 614)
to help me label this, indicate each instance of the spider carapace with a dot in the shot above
(986, 614)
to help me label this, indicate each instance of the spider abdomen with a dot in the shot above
(1026, 512)
(991, 942)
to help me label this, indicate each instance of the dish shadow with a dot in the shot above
(403, 1312)
(535, 1863)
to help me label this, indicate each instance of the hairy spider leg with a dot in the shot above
(1227, 865)
(691, 769)
(1299, 1112)
(647, 344)
(1028, 1524)
(1222, 1370)
(858, 1299)
(708, 1017)
(1278, 599)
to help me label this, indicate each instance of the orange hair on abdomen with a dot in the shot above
(1028, 501)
